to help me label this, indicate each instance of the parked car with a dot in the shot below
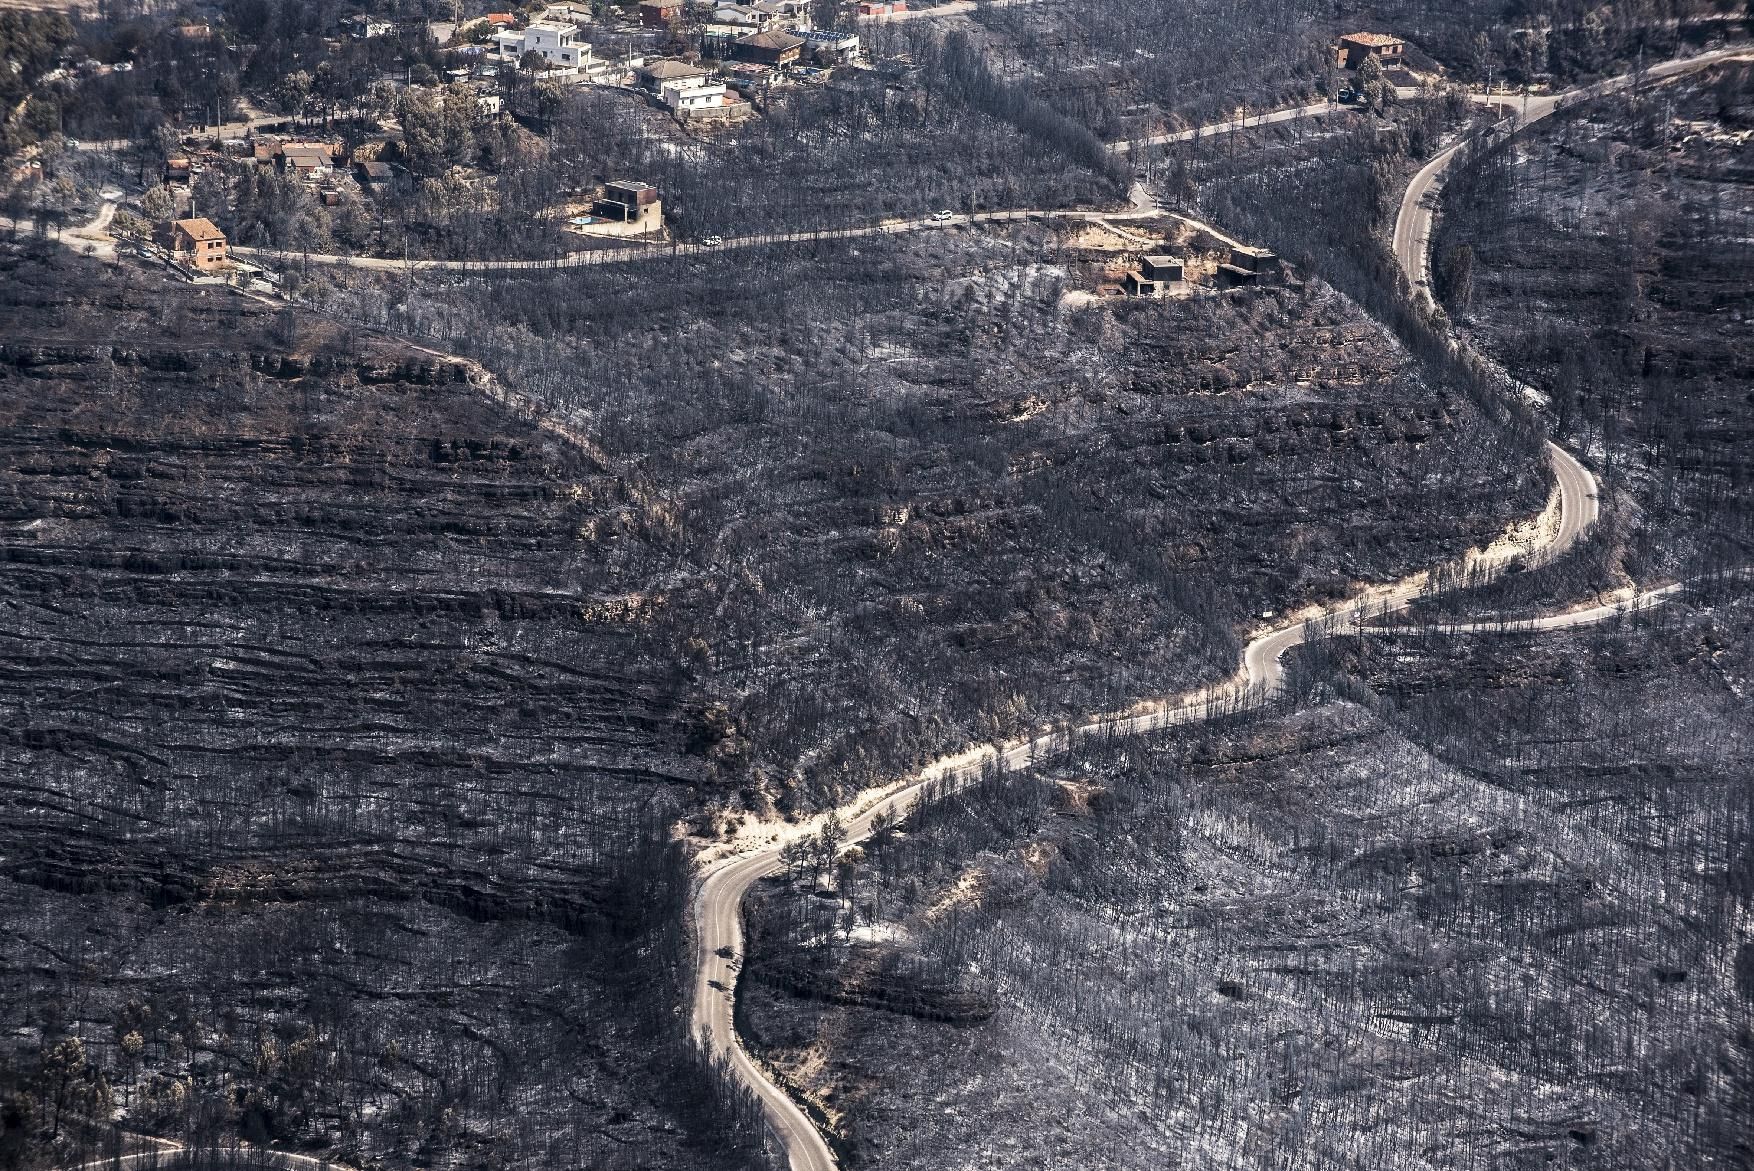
(712, 242)
(941, 216)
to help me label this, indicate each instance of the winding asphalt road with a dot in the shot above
(1412, 240)
(1564, 620)
(1410, 234)
(724, 882)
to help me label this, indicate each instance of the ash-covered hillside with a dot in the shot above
(350, 714)
(926, 491)
(1462, 903)
(339, 756)
(1607, 258)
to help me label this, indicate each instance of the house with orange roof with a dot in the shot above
(1354, 49)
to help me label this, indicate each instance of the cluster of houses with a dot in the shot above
(307, 161)
(712, 56)
(328, 169)
(1162, 275)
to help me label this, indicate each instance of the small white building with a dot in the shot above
(831, 47)
(693, 94)
(741, 16)
(792, 14)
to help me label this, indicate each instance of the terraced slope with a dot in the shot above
(336, 765)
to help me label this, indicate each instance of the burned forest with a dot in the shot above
(872, 585)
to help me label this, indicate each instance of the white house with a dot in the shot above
(741, 15)
(557, 42)
(833, 47)
(691, 95)
(792, 14)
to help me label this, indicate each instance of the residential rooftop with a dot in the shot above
(772, 39)
(669, 69)
(200, 229)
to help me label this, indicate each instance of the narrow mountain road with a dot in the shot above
(97, 230)
(1601, 612)
(91, 238)
(725, 879)
(1140, 206)
(1412, 239)
(1620, 605)
(724, 882)
(1270, 118)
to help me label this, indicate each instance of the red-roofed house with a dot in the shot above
(197, 242)
(1353, 49)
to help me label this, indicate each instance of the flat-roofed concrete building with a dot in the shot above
(1257, 260)
(1160, 268)
(556, 42)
